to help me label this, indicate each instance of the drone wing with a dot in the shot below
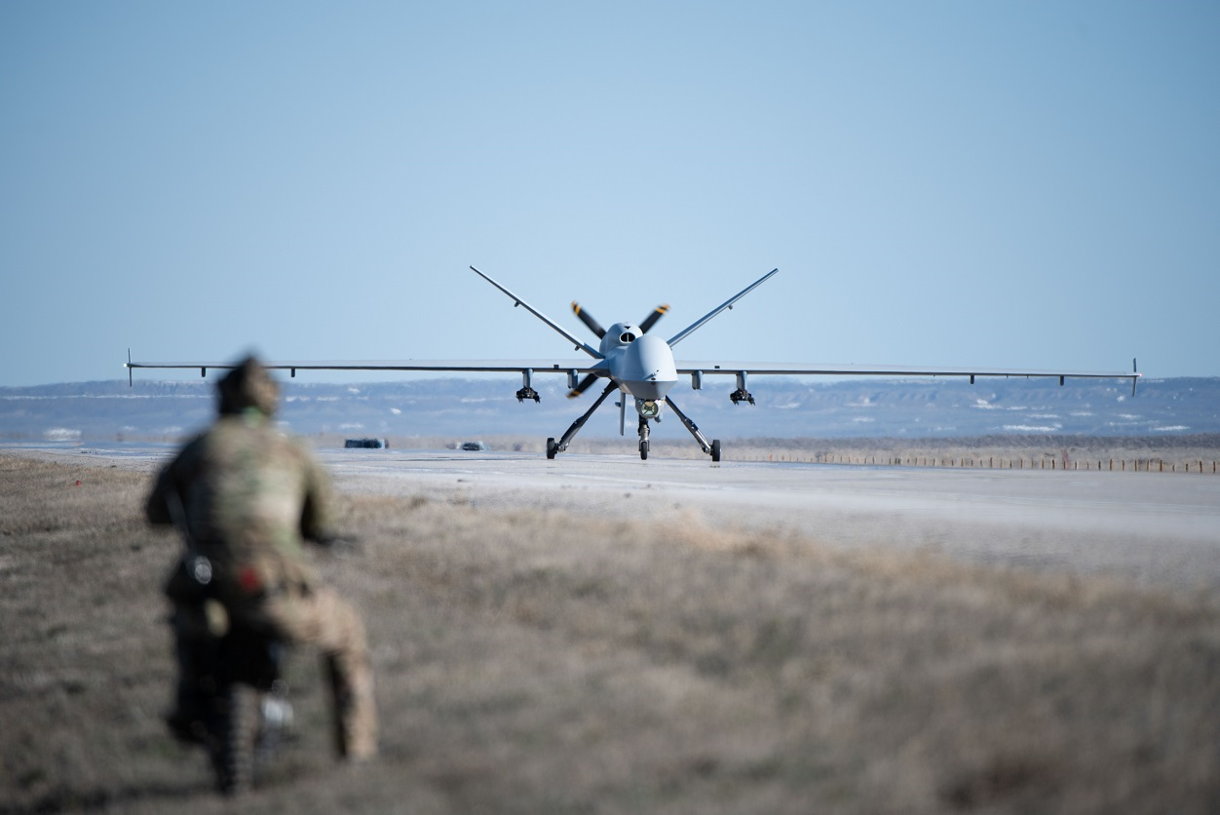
(525, 367)
(684, 333)
(697, 370)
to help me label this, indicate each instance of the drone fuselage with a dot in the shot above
(642, 364)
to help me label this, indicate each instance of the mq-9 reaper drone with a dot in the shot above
(639, 365)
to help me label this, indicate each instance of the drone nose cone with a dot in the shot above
(647, 368)
(649, 389)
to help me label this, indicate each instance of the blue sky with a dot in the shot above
(1028, 184)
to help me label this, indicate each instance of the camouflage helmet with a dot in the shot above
(248, 385)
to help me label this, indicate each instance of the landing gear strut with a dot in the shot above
(553, 447)
(712, 448)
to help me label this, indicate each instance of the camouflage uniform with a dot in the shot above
(249, 496)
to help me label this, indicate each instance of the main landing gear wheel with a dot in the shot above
(551, 447)
(715, 449)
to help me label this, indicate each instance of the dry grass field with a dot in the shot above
(549, 663)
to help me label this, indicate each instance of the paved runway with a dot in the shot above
(1157, 529)
(1150, 527)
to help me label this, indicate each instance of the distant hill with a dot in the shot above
(786, 408)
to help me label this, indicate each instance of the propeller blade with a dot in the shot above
(587, 319)
(651, 320)
(582, 386)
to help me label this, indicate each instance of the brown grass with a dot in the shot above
(544, 662)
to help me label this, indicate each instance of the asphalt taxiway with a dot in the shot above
(1153, 528)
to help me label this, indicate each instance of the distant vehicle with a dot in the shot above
(473, 446)
(371, 444)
